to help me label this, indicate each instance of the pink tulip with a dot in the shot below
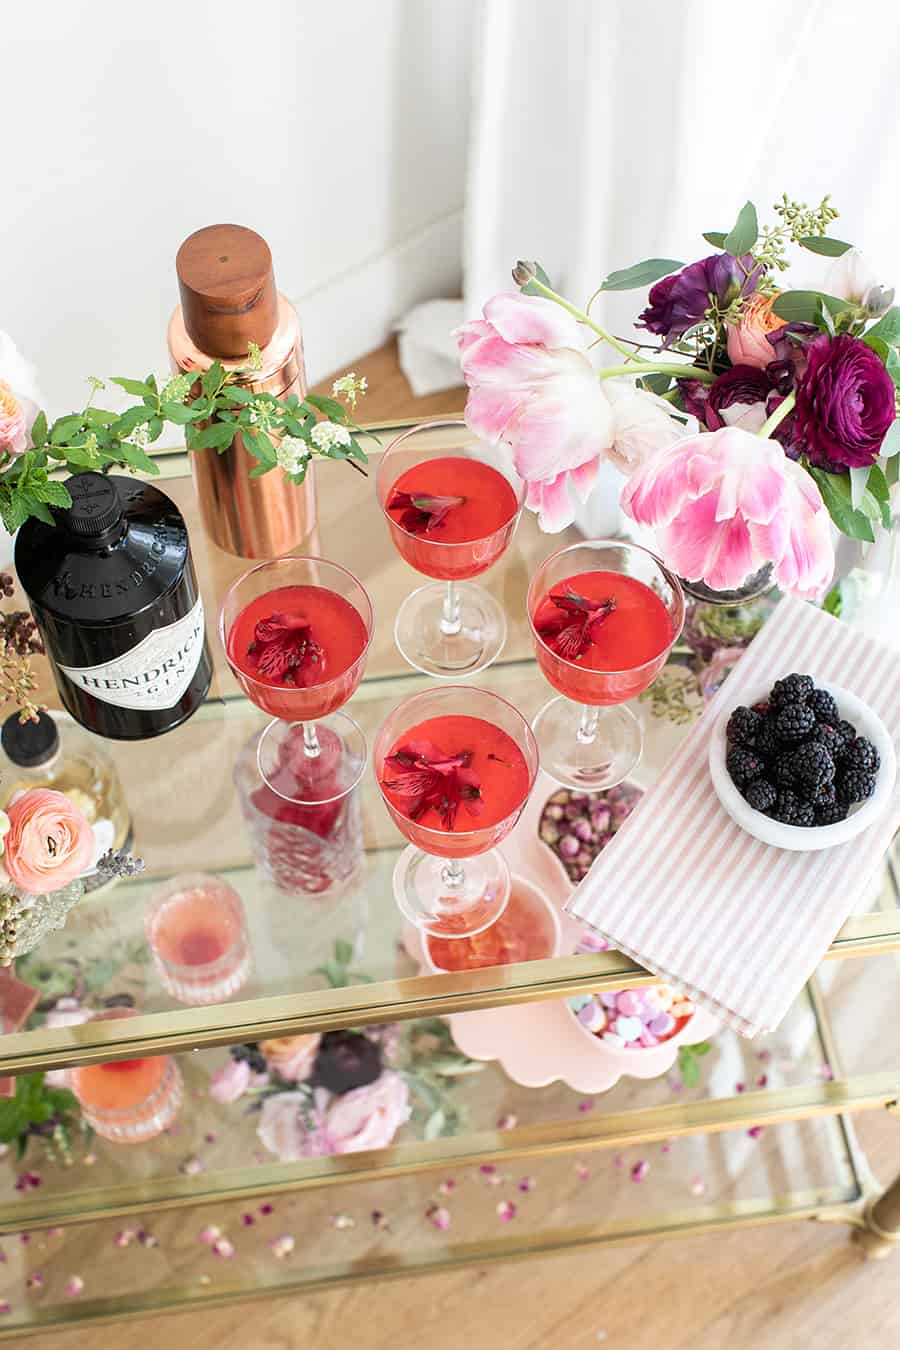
(725, 503)
(748, 343)
(49, 842)
(229, 1083)
(369, 1116)
(532, 387)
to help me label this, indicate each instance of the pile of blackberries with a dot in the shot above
(795, 759)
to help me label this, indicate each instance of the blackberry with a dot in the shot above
(812, 765)
(766, 740)
(829, 736)
(742, 765)
(824, 707)
(252, 1054)
(805, 815)
(824, 795)
(831, 813)
(854, 786)
(861, 754)
(794, 723)
(847, 730)
(743, 725)
(792, 689)
(787, 804)
(760, 794)
(783, 769)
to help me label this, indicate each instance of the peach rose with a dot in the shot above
(747, 341)
(17, 415)
(291, 1057)
(49, 842)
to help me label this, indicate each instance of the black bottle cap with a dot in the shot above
(96, 508)
(29, 744)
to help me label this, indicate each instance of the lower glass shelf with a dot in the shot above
(231, 1251)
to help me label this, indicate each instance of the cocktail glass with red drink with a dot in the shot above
(455, 766)
(452, 505)
(131, 1100)
(604, 616)
(296, 632)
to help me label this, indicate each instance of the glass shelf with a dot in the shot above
(187, 818)
(382, 1229)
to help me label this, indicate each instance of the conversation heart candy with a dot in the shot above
(629, 1028)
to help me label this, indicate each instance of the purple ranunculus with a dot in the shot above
(845, 403)
(743, 385)
(679, 301)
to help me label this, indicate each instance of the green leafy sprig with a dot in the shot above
(50, 1114)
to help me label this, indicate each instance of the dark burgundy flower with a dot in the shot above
(425, 777)
(420, 513)
(283, 648)
(739, 385)
(345, 1060)
(845, 403)
(680, 301)
(571, 632)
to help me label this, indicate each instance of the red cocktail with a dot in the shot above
(455, 767)
(604, 616)
(452, 507)
(296, 632)
(197, 934)
(527, 930)
(131, 1100)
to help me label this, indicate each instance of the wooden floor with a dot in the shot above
(777, 1287)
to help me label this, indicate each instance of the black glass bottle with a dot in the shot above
(113, 592)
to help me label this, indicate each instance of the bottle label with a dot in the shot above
(152, 676)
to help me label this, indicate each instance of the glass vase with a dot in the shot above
(26, 919)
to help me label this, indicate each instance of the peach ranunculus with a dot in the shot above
(49, 842)
(748, 344)
(291, 1057)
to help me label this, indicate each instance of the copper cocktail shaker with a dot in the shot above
(228, 300)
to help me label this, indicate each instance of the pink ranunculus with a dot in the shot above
(291, 1057)
(230, 1082)
(370, 1116)
(748, 341)
(49, 842)
(532, 387)
(725, 503)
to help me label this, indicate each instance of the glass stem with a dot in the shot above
(452, 874)
(450, 620)
(311, 747)
(587, 730)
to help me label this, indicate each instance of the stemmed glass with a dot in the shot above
(296, 633)
(452, 507)
(456, 766)
(604, 616)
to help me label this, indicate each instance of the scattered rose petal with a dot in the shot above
(205, 1279)
(55, 1232)
(739, 1087)
(619, 1160)
(438, 1217)
(640, 1170)
(35, 1280)
(5, 1306)
(89, 1159)
(223, 1248)
(755, 1131)
(507, 1122)
(210, 1234)
(25, 1238)
(600, 1335)
(665, 1147)
(526, 1184)
(247, 1220)
(124, 1237)
(209, 1138)
(341, 1221)
(586, 1105)
(698, 1186)
(447, 1186)
(378, 1219)
(266, 1209)
(763, 1080)
(506, 1210)
(74, 1286)
(487, 1169)
(148, 1240)
(582, 1172)
(282, 1246)
(764, 1056)
(191, 1166)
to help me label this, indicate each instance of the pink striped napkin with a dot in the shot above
(737, 924)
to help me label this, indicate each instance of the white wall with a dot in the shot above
(337, 128)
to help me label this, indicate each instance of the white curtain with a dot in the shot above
(605, 132)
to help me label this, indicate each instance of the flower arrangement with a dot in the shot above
(757, 417)
(210, 411)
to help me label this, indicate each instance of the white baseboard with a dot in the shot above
(357, 310)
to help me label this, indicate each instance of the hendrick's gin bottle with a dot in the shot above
(113, 592)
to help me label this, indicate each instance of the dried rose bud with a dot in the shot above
(524, 271)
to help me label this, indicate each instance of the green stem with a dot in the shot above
(661, 367)
(777, 417)
(581, 317)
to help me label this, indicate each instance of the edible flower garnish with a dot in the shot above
(425, 777)
(283, 648)
(571, 632)
(421, 513)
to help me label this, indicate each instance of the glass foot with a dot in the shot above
(312, 763)
(587, 764)
(448, 901)
(422, 639)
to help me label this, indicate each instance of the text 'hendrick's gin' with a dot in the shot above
(113, 592)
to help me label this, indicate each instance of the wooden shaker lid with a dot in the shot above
(227, 285)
